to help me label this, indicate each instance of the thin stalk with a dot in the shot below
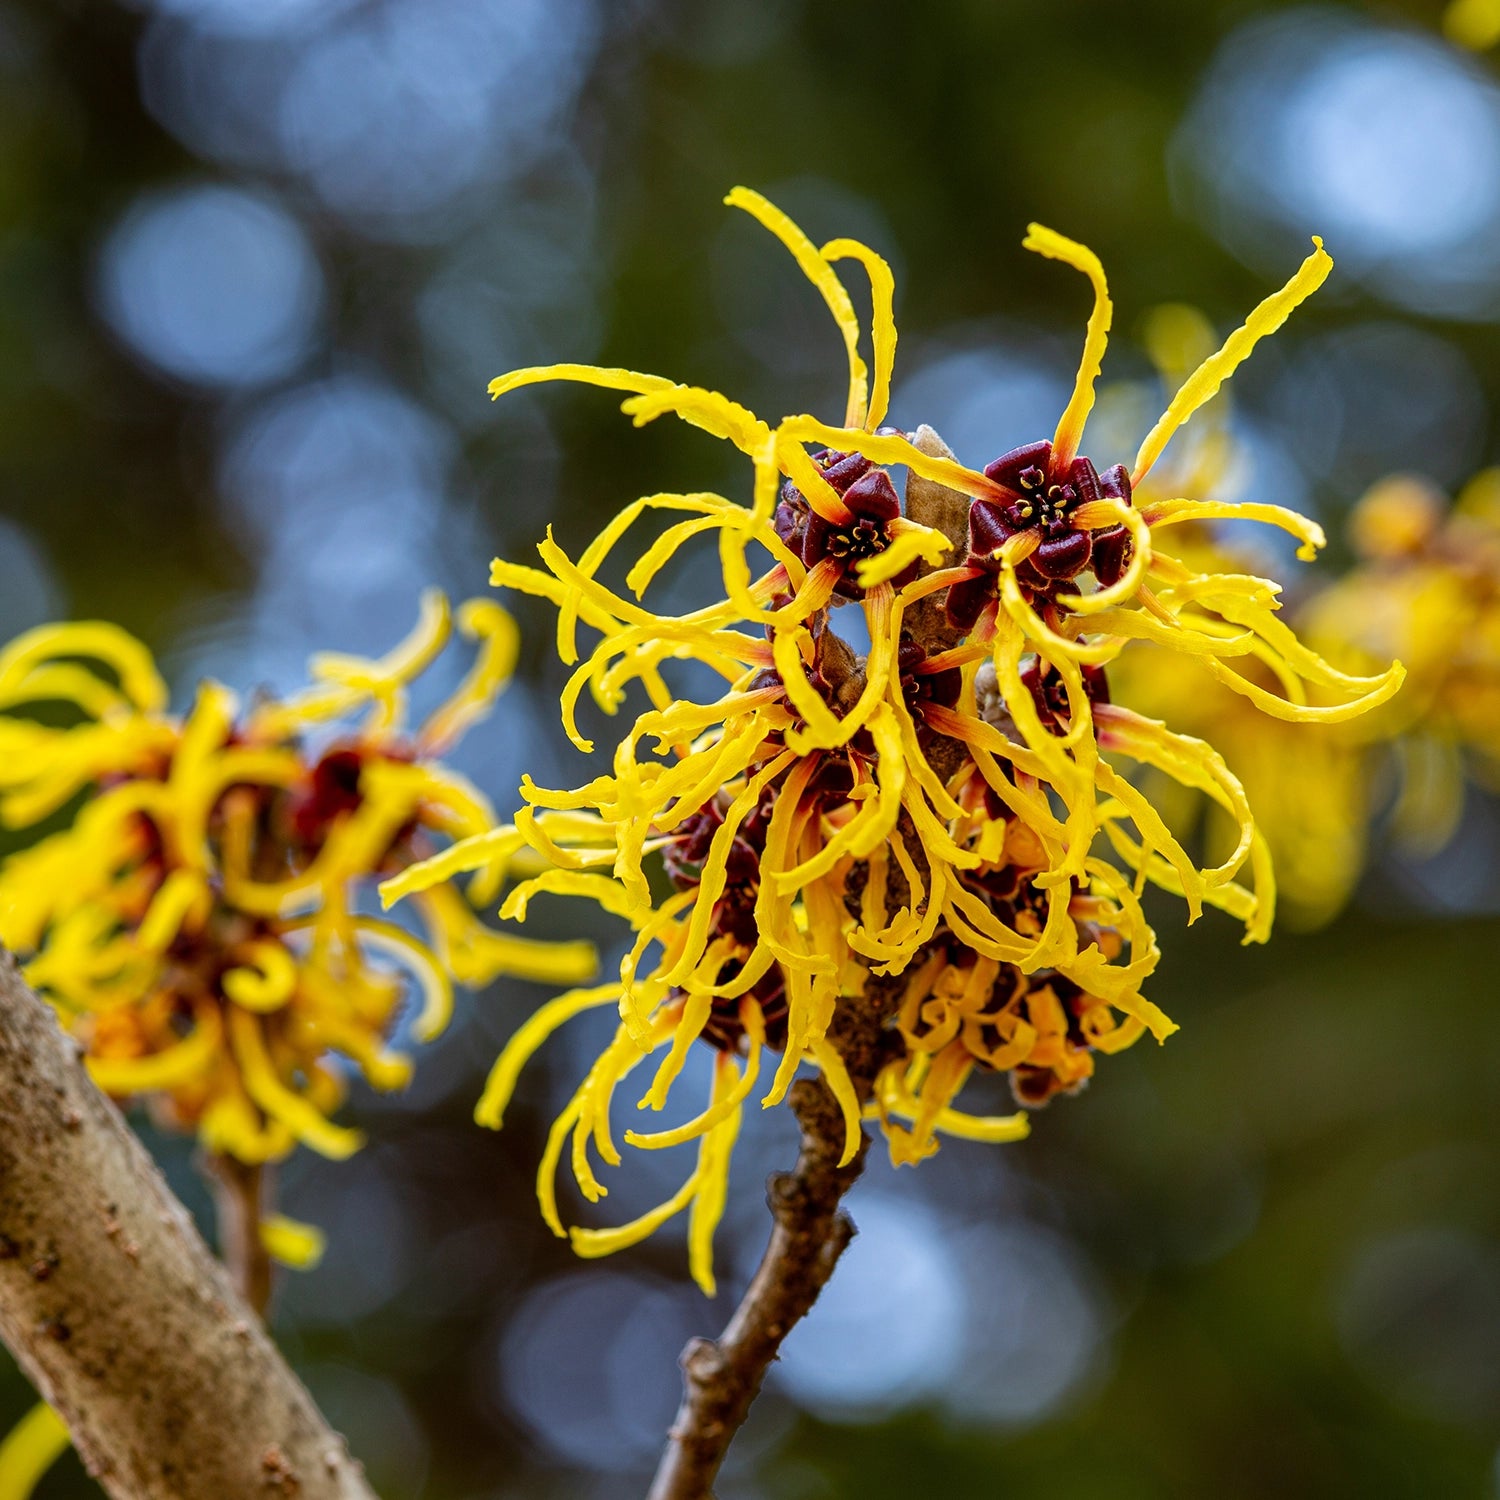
(242, 1196)
(723, 1376)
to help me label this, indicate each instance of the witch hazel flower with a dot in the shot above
(196, 921)
(904, 867)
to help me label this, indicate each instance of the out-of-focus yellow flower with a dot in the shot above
(195, 924)
(1308, 784)
(1428, 584)
(1314, 822)
(913, 829)
(1474, 24)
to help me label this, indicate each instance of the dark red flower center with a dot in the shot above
(922, 689)
(872, 502)
(1043, 504)
(1050, 693)
(1043, 497)
(865, 536)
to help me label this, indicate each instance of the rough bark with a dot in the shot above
(117, 1311)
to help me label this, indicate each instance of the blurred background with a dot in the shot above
(258, 259)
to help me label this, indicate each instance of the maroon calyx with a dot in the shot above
(922, 690)
(1012, 894)
(683, 858)
(333, 789)
(726, 1031)
(1043, 497)
(733, 915)
(1050, 693)
(330, 791)
(873, 502)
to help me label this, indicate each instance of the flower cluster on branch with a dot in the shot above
(196, 922)
(950, 813)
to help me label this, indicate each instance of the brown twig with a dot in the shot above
(721, 1378)
(118, 1313)
(242, 1199)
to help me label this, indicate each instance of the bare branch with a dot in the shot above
(117, 1311)
(242, 1195)
(721, 1378)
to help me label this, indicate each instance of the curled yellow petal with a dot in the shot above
(267, 982)
(837, 1077)
(1059, 247)
(89, 640)
(909, 542)
(292, 1242)
(477, 853)
(501, 1084)
(611, 378)
(883, 320)
(296, 1112)
(417, 960)
(183, 893)
(162, 1071)
(591, 1244)
(724, 1106)
(1304, 528)
(1203, 384)
(483, 621)
(713, 1188)
(31, 1447)
(814, 265)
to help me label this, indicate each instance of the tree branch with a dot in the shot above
(241, 1193)
(117, 1311)
(721, 1378)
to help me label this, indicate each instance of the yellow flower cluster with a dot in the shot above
(916, 828)
(1314, 823)
(1427, 583)
(195, 924)
(1474, 24)
(1425, 588)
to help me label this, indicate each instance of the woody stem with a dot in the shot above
(723, 1376)
(116, 1311)
(242, 1199)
